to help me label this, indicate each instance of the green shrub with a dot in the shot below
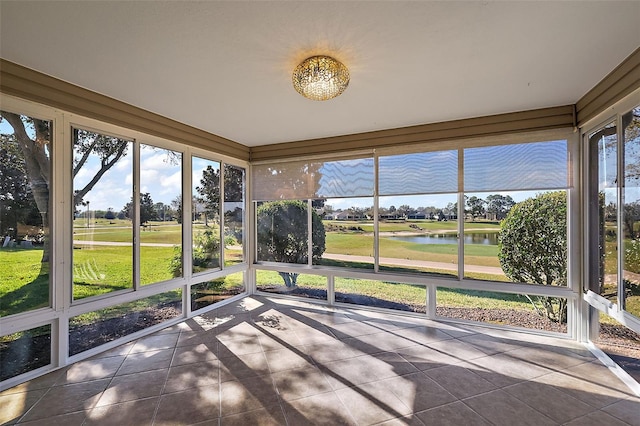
(532, 248)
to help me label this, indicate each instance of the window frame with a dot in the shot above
(595, 301)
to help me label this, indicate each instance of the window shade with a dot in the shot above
(299, 180)
(538, 165)
(420, 173)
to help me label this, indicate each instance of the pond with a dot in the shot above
(484, 239)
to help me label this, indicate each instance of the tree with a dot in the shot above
(631, 214)
(357, 212)
(532, 248)
(110, 214)
(282, 237)
(147, 210)
(404, 210)
(176, 205)
(34, 153)
(209, 188)
(476, 207)
(16, 200)
(499, 205)
(452, 210)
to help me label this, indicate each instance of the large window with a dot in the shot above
(515, 213)
(613, 287)
(102, 238)
(114, 199)
(505, 199)
(603, 145)
(160, 211)
(205, 223)
(491, 212)
(631, 212)
(234, 210)
(615, 212)
(317, 212)
(417, 212)
(25, 194)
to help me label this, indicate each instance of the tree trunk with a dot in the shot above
(290, 279)
(38, 167)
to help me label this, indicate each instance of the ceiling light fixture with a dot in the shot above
(320, 78)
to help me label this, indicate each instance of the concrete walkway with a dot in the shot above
(121, 244)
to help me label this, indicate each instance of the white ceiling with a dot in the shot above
(225, 67)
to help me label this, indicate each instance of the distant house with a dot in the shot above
(420, 214)
(347, 215)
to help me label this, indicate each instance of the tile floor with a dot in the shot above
(277, 362)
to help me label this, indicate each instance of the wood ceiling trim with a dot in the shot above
(32, 85)
(526, 121)
(620, 82)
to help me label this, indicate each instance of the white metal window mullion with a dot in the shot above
(187, 231)
(376, 218)
(136, 216)
(309, 232)
(221, 215)
(620, 213)
(460, 213)
(573, 235)
(61, 242)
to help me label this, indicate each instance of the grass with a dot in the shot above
(401, 293)
(414, 294)
(103, 269)
(25, 282)
(463, 298)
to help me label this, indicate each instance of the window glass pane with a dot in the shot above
(347, 225)
(234, 196)
(282, 233)
(303, 179)
(102, 183)
(631, 212)
(96, 328)
(214, 291)
(516, 237)
(160, 232)
(206, 214)
(419, 233)
(604, 147)
(381, 294)
(508, 309)
(419, 173)
(345, 178)
(25, 179)
(539, 165)
(25, 351)
(301, 285)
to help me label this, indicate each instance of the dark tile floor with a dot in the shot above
(278, 362)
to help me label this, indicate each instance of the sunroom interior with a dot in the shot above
(467, 211)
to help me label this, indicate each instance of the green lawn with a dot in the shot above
(414, 294)
(103, 269)
(25, 285)
(362, 245)
(169, 234)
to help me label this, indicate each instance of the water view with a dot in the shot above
(483, 239)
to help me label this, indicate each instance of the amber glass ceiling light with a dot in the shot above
(320, 78)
